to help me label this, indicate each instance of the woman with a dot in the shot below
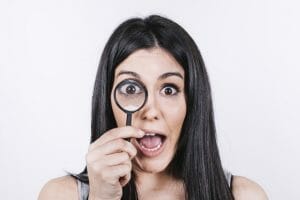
(170, 151)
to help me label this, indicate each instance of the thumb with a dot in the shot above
(125, 179)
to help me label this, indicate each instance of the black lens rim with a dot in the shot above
(132, 81)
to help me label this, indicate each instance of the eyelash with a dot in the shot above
(171, 85)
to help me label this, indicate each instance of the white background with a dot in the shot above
(49, 51)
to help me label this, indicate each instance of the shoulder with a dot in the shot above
(246, 189)
(59, 188)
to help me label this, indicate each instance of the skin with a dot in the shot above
(164, 111)
(165, 108)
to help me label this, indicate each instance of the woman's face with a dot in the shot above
(163, 114)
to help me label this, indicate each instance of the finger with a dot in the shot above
(108, 160)
(112, 174)
(115, 146)
(123, 132)
(116, 159)
(118, 145)
(125, 179)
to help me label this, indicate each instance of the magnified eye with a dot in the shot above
(130, 89)
(130, 95)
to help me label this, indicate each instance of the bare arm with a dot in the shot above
(62, 188)
(246, 189)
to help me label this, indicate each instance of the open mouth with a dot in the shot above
(151, 144)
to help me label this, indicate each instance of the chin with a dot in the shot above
(150, 165)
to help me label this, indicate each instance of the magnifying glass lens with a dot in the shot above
(130, 95)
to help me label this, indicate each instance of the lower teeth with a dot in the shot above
(154, 149)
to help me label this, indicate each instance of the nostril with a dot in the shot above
(150, 111)
(149, 117)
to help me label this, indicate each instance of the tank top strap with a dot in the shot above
(83, 190)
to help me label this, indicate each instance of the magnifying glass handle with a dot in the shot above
(128, 119)
(128, 122)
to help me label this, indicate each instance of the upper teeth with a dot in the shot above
(150, 134)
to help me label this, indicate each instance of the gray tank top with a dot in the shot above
(83, 188)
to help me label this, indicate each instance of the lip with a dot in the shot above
(146, 152)
(153, 131)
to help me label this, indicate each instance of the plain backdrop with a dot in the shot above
(49, 52)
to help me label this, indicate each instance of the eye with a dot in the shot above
(170, 90)
(130, 89)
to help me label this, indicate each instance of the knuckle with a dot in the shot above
(134, 150)
(121, 169)
(125, 155)
(127, 146)
(131, 149)
(121, 143)
(114, 144)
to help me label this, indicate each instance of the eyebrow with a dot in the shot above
(168, 74)
(163, 76)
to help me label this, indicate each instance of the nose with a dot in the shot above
(151, 110)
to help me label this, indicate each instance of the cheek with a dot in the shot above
(175, 114)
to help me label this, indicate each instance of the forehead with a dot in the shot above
(150, 62)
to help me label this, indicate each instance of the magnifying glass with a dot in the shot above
(130, 96)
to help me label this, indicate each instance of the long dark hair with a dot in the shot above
(197, 161)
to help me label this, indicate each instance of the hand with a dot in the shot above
(109, 162)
